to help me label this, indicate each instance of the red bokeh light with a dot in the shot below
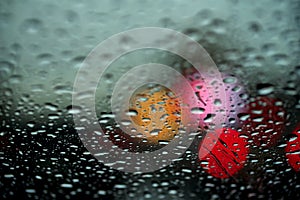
(228, 154)
(293, 149)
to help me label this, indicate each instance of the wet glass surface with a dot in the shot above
(256, 47)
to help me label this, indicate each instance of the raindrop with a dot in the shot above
(197, 110)
(108, 115)
(62, 89)
(293, 138)
(126, 122)
(51, 106)
(132, 112)
(255, 27)
(155, 132)
(209, 118)
(53, 116)
(258, 119)
(102, 192)
(172, 191)
(217, 102)
(265, 88)
(243, 116)
(236, 88)
(6, 69)
(31, 124)
(163, 142)
(71, 16)
(194, 34)
(230, 79)
(231, 120)
(9, 176)
(66, 185)
(145, 119)
(120, 186)
(257, 112)
(30, 190)
(164, 117)
(73, 109)
(142, 99)
(31, 26)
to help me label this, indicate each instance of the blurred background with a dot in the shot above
(42, 45)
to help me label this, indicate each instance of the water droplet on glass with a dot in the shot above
(265, 89)
(197, 110)
(217, 102)
(132, 113)
(31, 26)
(155, 132)
(126, 122)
